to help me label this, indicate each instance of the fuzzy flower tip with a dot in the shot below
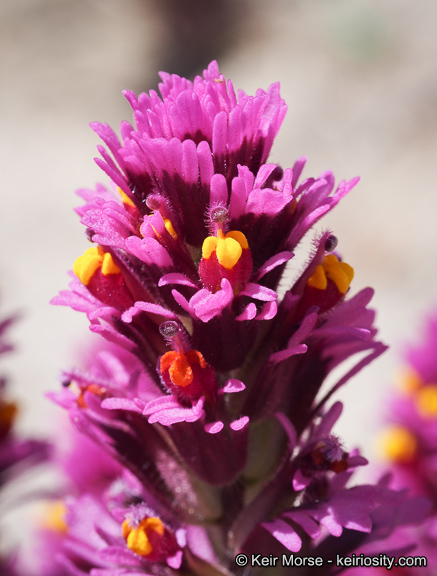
(208, 391)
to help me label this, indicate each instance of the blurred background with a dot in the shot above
(360, 80)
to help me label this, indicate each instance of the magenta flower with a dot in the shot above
(209, 395)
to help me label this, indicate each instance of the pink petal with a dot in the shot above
(285, 534)
(218, 190)
(176, 278)
(214, 427)
(259, 292)
(300, 481)
(285, 354)
(175, 561)
(288, 427)
(268, 311)
(274, 261)
(182, 301)
(233, 385)
(207, 305)
(120, 404)
(306, 522)
(239, 424)
(147, 307)
(248, 313)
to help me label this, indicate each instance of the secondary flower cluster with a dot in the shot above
(209, 393)
(16, 455)
(409, 441)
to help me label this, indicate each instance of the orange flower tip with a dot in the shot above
(179, 369)
(180, 366)
(138, 537)
(93, 389)
(398, 444)
(92, 260)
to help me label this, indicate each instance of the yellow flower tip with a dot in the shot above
(94, 258)
(239, 237)
(169, 227)
(426, 400)
(138, 542)
(109, 266)
(153, 523)
(228, 252)
(137, 538)
(398, 444)
(228, 248)
(339, 272)
(209, 246)
(125, 198)
(86, 265)
(54, 519)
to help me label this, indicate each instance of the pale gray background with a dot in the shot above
(360, 80)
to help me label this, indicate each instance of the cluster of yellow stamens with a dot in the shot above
(94, 258)
(339, 272)
(138, 537)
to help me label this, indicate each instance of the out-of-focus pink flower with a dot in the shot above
(17, 455)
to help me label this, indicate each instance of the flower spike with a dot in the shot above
(209, 395)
